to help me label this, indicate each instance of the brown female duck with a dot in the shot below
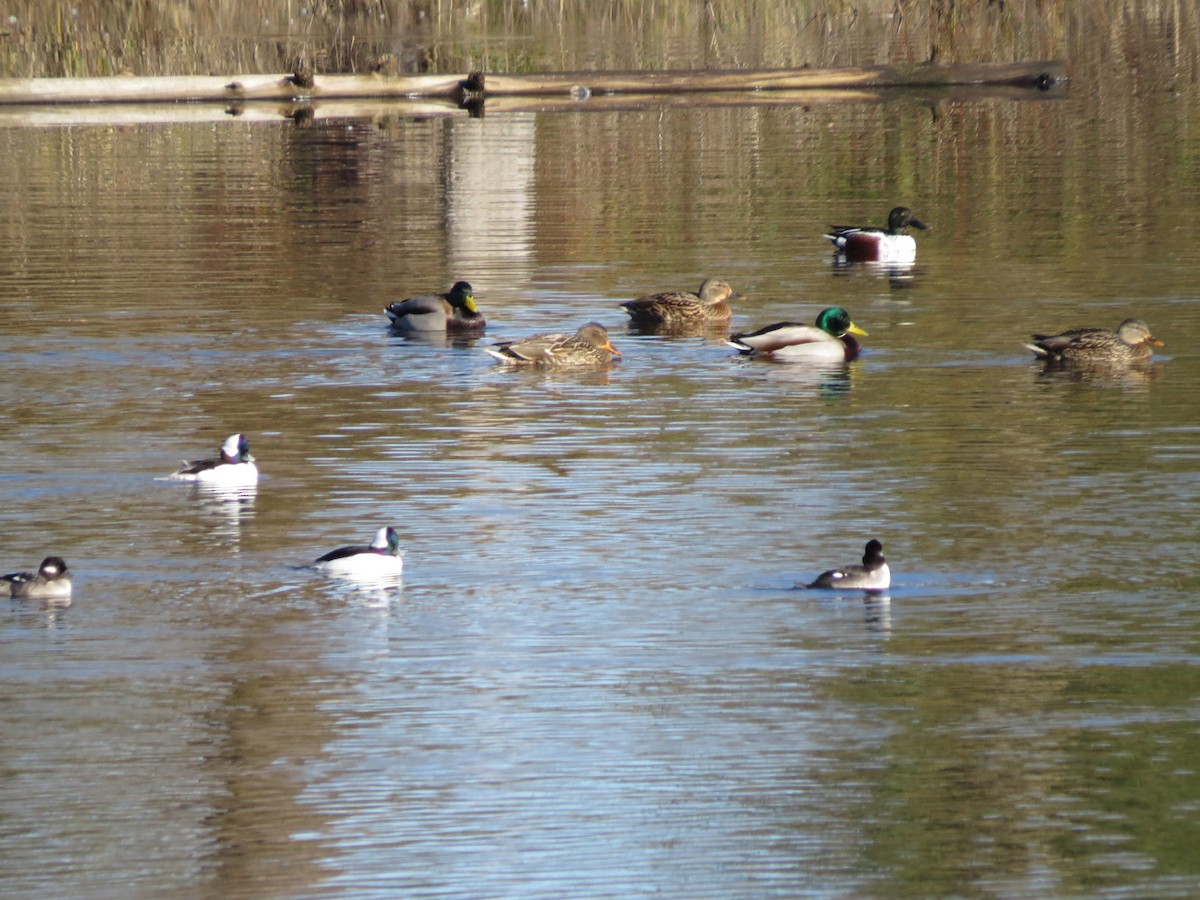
(589, 346)
(676, 309)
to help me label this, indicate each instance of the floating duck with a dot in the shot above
(830, 340)
(1132, 342)
(680, 308)
(886, 245)
(379, 559)
(872, 575)
(52, 581)
(589, 346)
(233, 468)
(453, 311)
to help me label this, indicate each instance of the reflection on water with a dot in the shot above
(595, 678)
(226, 508)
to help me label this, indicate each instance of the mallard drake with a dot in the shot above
(830, 340)
(452, 311)
(234, 467)
(52, 581)
(379, 559)
(1132, 342)
(887, 245)
(679, 308)
(589, 346)
(872, 575)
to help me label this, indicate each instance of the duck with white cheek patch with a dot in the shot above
(380, 559)
(234, 467)
(52, 581)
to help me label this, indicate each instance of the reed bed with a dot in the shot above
(227, 37)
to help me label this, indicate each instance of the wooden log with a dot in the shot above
(201, 88)
(57, 115)
(476, 87)
(382, 108)
(1039, 74)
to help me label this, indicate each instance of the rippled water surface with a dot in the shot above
(597, 678)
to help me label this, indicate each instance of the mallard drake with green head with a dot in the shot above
(589, 346)
(830, 340)
(710, 306)
(453, 311)
(1132, 342)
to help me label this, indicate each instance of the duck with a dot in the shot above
(886, 245)
(872, 575)
(234, 467)
(52, 581)
(379, 559)
(589, 346)
(1132, 342)
(709, 306)
(454, 311)
(831, 339)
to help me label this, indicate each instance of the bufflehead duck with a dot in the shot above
(886, 245)
(234, 467)
(453, 311)
(872, 575)
(830, 340)
(1132, 342)
(378, 560)
(52, 581)
(589, 346)
(676, 309)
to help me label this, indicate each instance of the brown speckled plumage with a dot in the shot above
(709, 306)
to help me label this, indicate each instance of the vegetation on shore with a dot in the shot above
(225, 37)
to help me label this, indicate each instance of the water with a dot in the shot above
(596, 678)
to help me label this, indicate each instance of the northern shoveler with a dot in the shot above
(453, 311)
(1132, 342)
(673, 309)
(589, 346)
(872, 575)
(830, 340)
(887, 245)
(51, 581)
(381, 558)
(234, 467)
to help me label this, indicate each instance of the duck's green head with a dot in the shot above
(836, 321)
(900, 218)
(462, 296)
(387, 540)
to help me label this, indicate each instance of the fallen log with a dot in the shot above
(380, 108)
(477, 87)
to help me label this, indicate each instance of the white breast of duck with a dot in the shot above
(52, 581)
(235, 466)
(872, 575)
(380, 559)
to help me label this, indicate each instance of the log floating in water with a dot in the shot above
(477, 87)
(1040, 74)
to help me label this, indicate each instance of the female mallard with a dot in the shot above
(589, 346)
(1132, 342)
(830, 340)
(887, 245)
(233, 468)
(381, 558)
(872, 575)
(680, 308)
(454, 311)
(51, 581)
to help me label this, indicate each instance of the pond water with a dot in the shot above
(597, 678)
